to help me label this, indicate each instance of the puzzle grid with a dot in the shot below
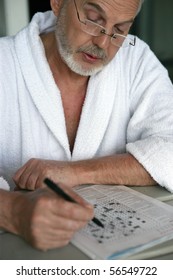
(119, 220)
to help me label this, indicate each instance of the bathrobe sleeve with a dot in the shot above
(150, 130)
(3, 185)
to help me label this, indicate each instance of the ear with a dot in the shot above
(56, 5)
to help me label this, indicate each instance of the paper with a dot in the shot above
(132, 222)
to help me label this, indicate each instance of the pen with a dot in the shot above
(54, 187)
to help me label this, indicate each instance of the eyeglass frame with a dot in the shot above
(103, 31)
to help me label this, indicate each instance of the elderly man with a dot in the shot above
(81, 102)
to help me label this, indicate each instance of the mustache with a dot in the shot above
(94, 51)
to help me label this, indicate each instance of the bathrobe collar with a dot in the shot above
(46, 95)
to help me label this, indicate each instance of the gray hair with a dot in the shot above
(140, 5)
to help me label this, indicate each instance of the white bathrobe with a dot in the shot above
(128, 107)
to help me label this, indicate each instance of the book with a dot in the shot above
(132, 221)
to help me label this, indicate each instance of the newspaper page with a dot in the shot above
(132, 222)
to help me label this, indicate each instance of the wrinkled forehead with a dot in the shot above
(112, 7)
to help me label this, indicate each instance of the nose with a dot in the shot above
(102, 41)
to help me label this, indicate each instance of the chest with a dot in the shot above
(72, 105)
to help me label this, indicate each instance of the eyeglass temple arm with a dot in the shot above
(134, 42)
(77, 11)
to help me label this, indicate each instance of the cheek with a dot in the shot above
(73, 31)
(79, 39)
(75, 36)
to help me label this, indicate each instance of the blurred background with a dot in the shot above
(154, 24)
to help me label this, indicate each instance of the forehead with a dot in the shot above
(112, 8)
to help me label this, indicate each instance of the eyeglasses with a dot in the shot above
(95, 29)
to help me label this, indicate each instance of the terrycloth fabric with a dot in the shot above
(128, 107)
(4, 185)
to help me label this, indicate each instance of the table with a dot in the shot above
(14, 248)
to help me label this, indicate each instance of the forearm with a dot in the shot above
(119, 169)
(7, 200)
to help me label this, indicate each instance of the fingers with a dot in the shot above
(51, 241)
(33, 173)
(30, 175)
(73, 194)
(55, 237)
(73, 214)
(67, 210)
(49, 237)
(21, 177)
(49, 221)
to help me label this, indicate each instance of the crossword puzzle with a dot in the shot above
(119, 221)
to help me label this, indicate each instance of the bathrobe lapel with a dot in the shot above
(96, 114)
(41, 86)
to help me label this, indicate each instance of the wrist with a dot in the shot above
(84, 171)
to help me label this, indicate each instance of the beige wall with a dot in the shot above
(14, 15)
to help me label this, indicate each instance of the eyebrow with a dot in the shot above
(97, 7)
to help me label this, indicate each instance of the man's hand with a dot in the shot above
(33, 173)
(47, 221)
